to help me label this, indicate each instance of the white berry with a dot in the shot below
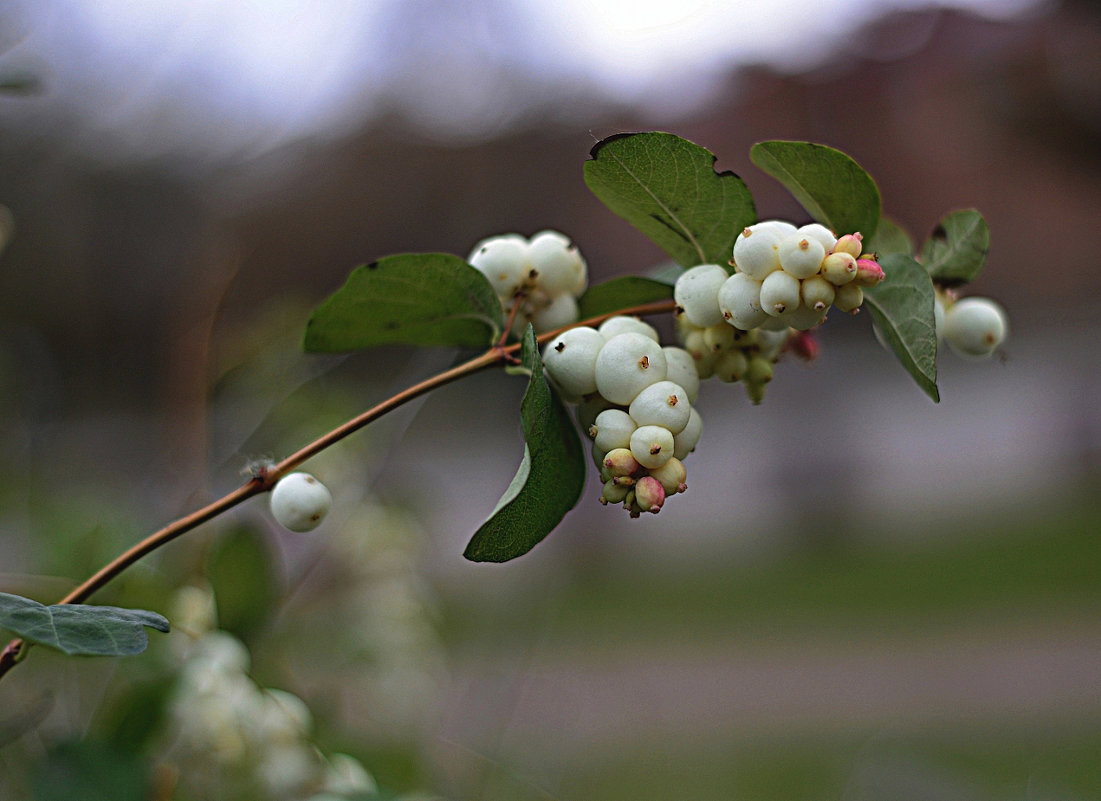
(612, 429)
(681, 369)
(622, 324)
(626, 365)
(504, 261)
(662, 404)
(558, 263)
(652, 446)
(560, 311)
(779, 293)
(685, 442)
(975, 327)
(800, 255)
(570, 360)
(820, 232)
(740, 301)
(299, 502)
(756, 251)
(696, 292)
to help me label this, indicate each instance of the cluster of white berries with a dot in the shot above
(636, 404)
(544, 275)
(785, 277)
(232, 738)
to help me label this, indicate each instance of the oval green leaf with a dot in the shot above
(79, 629)
(408, 299)
(621, 293)
(956, 251)
(889, 238)
(550, 479)
(667, 188)
(830, 185)
(902, 308)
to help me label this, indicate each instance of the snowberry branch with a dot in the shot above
(266, 477)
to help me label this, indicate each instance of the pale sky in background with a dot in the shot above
(210, 77)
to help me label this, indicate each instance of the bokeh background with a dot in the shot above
(863, 594)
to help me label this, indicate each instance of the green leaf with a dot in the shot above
(409, 299)
(79, 629)
(902, 308)
(619, 293)
(241, 571)
(832, 187)
(889, 238)
(667, 187)
(956, 250)
(91, 771)
(549, 481)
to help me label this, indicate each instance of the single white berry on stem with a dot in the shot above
(975, 327)
(652, 446)
(570, 360)
(299, 502)
(662, 404)
(612, 429)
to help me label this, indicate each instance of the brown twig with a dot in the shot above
(265, 479)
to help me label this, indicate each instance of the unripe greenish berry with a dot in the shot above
(623, 324)
(938, 316)
(626, 365)
(649, 494)
(570, 360)
(730, 366)
(614, 493)
(589, 408)
(801, 256)
(672, 476)
(853, 244)
(621, 462)
(299, 502)
(817, 293)
(839, 268)
(975, 327)
(560, 311)
(652, 446)
(662, 404)
(740, 301)
(612, 429)
(681, 369)
(804, 318)
(756, 251)
(696, 292)
(685, 442)
(820, 232)
(720, 337)
(757, 376)
(849, 297)
(503, 260)
(558, 263)
(779, 293)
(770, 343)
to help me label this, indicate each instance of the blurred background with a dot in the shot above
(862, 595)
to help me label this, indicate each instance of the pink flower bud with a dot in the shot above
(868, 273)
(649, 494)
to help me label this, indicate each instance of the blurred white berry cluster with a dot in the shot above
(544, 275)
(233, 739)
(635, 401)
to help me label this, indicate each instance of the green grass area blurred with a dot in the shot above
(1007, 604)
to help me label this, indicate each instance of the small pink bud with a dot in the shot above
(868, 273)
(649, 494)
(805, 346)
